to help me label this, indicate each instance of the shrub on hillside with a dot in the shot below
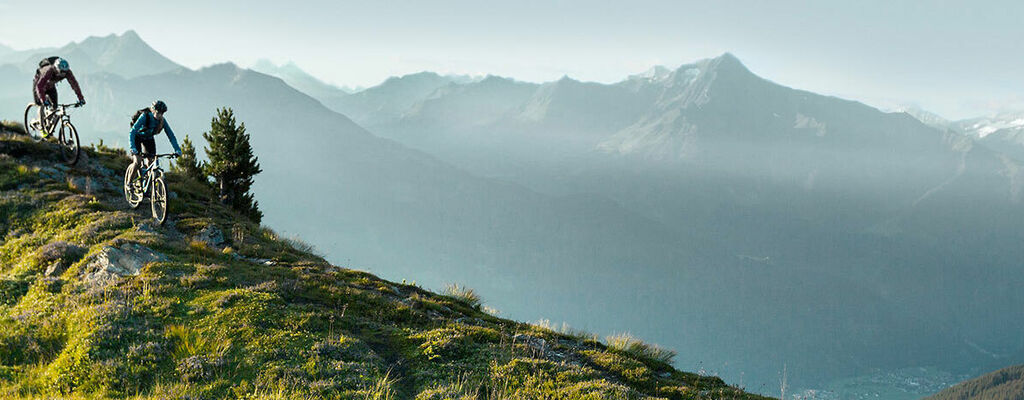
(628, 344)
(7, 125)
(463, 293)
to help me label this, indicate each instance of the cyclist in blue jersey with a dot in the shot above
(150, 122)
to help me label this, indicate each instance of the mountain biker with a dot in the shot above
(149, 124)
(51, 71)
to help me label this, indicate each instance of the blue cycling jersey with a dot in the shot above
(148, 126)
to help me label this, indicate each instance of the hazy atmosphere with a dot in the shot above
(956, 58)
(515, 200)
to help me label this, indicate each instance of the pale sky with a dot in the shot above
(957, 58)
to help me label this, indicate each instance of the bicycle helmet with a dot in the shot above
(159, 106)
(62, 65)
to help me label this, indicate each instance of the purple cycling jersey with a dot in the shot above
(48, 78)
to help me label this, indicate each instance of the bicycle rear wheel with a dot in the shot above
(158, 200)
(33, 131)
(68, 141)
(132, 193)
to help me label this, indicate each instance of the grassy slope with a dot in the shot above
(259, 318)
(1004, 384)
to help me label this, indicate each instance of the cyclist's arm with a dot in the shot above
(170, 136)
(131, 142)
(136, 129)
(74, 85)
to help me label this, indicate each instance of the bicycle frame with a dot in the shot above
(152, 170)
(58, 116)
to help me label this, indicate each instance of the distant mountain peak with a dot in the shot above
(131, 34)
(729, 57)
(655, 73)
(298, 78)
(126, 55)
(495, 78)
(726, 62)
(128, 37)
(985, 126)
(291, 65)
(565, 80)
(288, 68)
(418, 75)
(264, 63)
(927, 117)
(223, 66)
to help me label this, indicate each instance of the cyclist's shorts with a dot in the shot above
(50, 94)
(147, 144)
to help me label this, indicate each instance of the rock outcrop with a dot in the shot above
(114, 262)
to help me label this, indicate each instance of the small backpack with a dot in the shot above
(138, 114)
(44, 63)
(135, 118)
(47, 61)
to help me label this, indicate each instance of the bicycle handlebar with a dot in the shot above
(72, 105)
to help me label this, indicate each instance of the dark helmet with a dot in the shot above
(159, 106)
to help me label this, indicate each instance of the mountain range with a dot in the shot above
(824, 192)
(125, 55)
(750, 226)
(299, 79)
(1003, 132)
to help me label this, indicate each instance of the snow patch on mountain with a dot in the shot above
(806, 122)
(982, 127)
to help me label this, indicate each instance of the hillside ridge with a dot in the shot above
(1004, 384)
(96, 300)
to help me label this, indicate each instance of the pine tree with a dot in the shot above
(188, 164)
(232, 163)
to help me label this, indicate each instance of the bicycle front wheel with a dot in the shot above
(132, 187)
(33, 130)
(159, 200)
(68, 141)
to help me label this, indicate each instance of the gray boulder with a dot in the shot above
(212, 236)
(112, 263)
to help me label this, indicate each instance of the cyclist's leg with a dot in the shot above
(50, 95)
(134, 167)
(148, 145)
(137, 159)
(39, 105)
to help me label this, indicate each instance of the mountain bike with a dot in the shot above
(57, 122)
(148, 177)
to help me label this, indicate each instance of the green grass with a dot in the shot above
(465, 294)
(626, 343)
(212, 323)
(11, 126)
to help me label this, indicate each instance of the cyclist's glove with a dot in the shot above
(46, 103)
(80, 103)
